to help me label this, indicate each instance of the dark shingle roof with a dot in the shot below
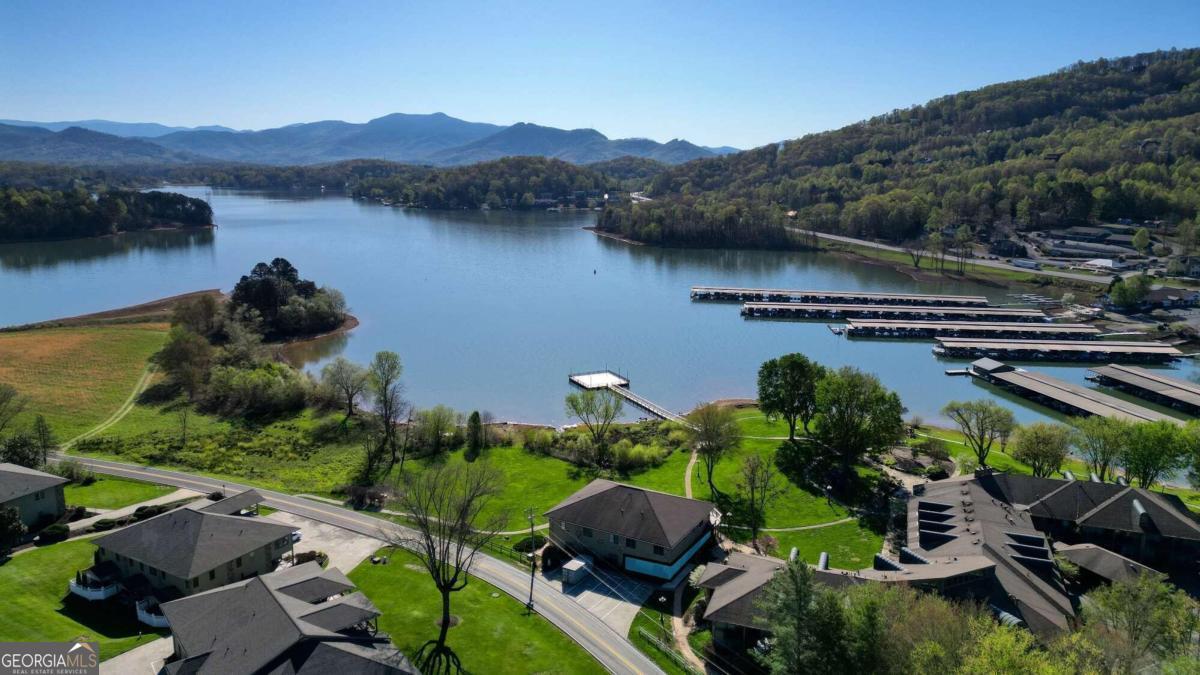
(633, 512)
(1102, 562)
(736, 586)
(185, 542)
(17, 481)
(233, 504)
(255, 626)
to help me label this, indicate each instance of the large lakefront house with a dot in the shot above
(298, 620)
(37, 496)
(185, 551)
(631, 528)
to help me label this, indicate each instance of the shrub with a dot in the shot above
(628, 457)
(540, 441)
(54, 534)
(529, 544)
(216, 495)
(73, 471)
(104, 524)
(320, 557)
(144, 512)
(266, 390)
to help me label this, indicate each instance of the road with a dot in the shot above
(611, 649)
(1074, 276)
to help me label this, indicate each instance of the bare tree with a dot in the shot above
(446, 504)
(759, 485)
(11, 405)
(348, 379)
(714, 432)
(597, 409)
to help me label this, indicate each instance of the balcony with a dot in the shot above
(149, 613)
(93, 592)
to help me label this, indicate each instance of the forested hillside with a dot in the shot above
(1102, 140)
(32, 214)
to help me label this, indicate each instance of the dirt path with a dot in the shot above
(120, 413)
(687, 475)
(679, 630)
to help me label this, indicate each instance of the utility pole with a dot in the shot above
(532, 558)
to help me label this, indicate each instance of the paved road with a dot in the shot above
(1074, 276)
(611, 649)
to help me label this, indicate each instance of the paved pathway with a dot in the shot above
(177, 495)
(144, 660)
(611, 649)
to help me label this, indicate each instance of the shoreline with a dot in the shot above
(113, 235)
(616, 237)
(153, 311)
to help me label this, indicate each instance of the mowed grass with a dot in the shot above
(850, 547)
(76, 377)
(112, 493)
(495, 634)
(34, 586)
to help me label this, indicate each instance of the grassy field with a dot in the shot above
(112, 493)
(850, 547)
(495, 635)
(34, 586)
(76, 377)
(648, 620)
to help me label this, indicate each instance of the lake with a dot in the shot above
(492, 310)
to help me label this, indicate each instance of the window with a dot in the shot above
(658, 550)
(195, 582)
(630, 543)
(212, 574)
(239, 561)
(587, 532)
(614, 539)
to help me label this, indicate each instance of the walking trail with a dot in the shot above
(119, 414)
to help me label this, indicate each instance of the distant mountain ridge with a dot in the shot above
(74, 145)
(123, 129)
(435, 138)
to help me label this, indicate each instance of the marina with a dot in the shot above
(619, 385)
(731, 294)
(1057, 350)
(1147, 384)
(792, 310)
(1065, 397)
(863, 328)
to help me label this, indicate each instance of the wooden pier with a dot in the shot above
(1063, 396)
(1057, 350)
(606, 379)
(1150, 385)
(732, 294)
(794, 310)
(990, 329)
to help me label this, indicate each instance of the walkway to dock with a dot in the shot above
(813, 310)
(606, 379)
(728, 293)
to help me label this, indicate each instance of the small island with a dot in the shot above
(36, 214)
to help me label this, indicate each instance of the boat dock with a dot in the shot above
(795, 310)
(1057, 350)
(606, 379)
(730, 294)
(988, 329)
(1150, 385)
(1052, 392)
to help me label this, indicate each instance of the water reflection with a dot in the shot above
(32, 256)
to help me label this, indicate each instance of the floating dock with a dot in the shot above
(795, 310)
(606, 379)
(989, 329)
(732, 294)
(1057, 350)
(1150, 385)
(1052, 392)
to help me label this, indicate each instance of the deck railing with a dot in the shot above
(93, 593)
(148, 617)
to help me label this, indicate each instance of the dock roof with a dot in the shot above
(964, 299)
(898, 309)
(975, 326)
(1141, 378)
(1094, 346)
(1081, 398)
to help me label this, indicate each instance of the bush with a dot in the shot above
(628, 457)
(54, 534)
(144, 512)
(554, 557)
(104, 524)
(529, 544)
(73, 471)
(216, 496)
(268, 389)
(540, 441)
(320, 557)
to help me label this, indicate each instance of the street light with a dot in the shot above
(532, 559)
(662, 602)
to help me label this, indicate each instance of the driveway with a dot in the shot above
(612, 597)
(145, 660)
(346, 548)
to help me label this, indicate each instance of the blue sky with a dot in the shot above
(740, 74)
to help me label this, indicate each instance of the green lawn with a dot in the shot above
(648, 620)
(495, 634)
(754, 423)
(850, 546)
(112, 493)
(34, 584)
(665, 478)
(144, 418)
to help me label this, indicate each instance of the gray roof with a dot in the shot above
(646, 515)
(1102, 562)
(233, 504)
(186, 543)
(256, 626)
(16, 481)
(736, 586)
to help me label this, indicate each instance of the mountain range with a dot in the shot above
(436, 139)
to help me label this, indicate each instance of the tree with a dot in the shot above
(22, 449)
(434, 425)
(348, 379)
(786, 605)
(759, 485)
(186, 358)
(1152, 450)
(1141, 240)
(856, 413)
(11, 529)
(1142, 618)
(787, 388)
(982, 422)
(1100, 441)
(1043, 446)
(1005, 650)
(963, 237)
(445, 504)
(1129, 293)
(11, 405)
(201, 315)
(713, 431)
(597, 409)
(916, 249)
(474, 436)
(44, 435)
(384, 381)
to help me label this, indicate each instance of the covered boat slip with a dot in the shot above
(992, 329)
(797, 310)
(1052, 392)
(1150, 385)
(1057, 350)
(733, 294)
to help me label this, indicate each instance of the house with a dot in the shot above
(631, 528)
(187, 550)
(298, 620)
(37, 496)
(1166, 297)
(1007, 248)
(733, 589)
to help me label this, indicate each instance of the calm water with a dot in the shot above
(491, 311)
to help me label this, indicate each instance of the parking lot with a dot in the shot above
(611, 596)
